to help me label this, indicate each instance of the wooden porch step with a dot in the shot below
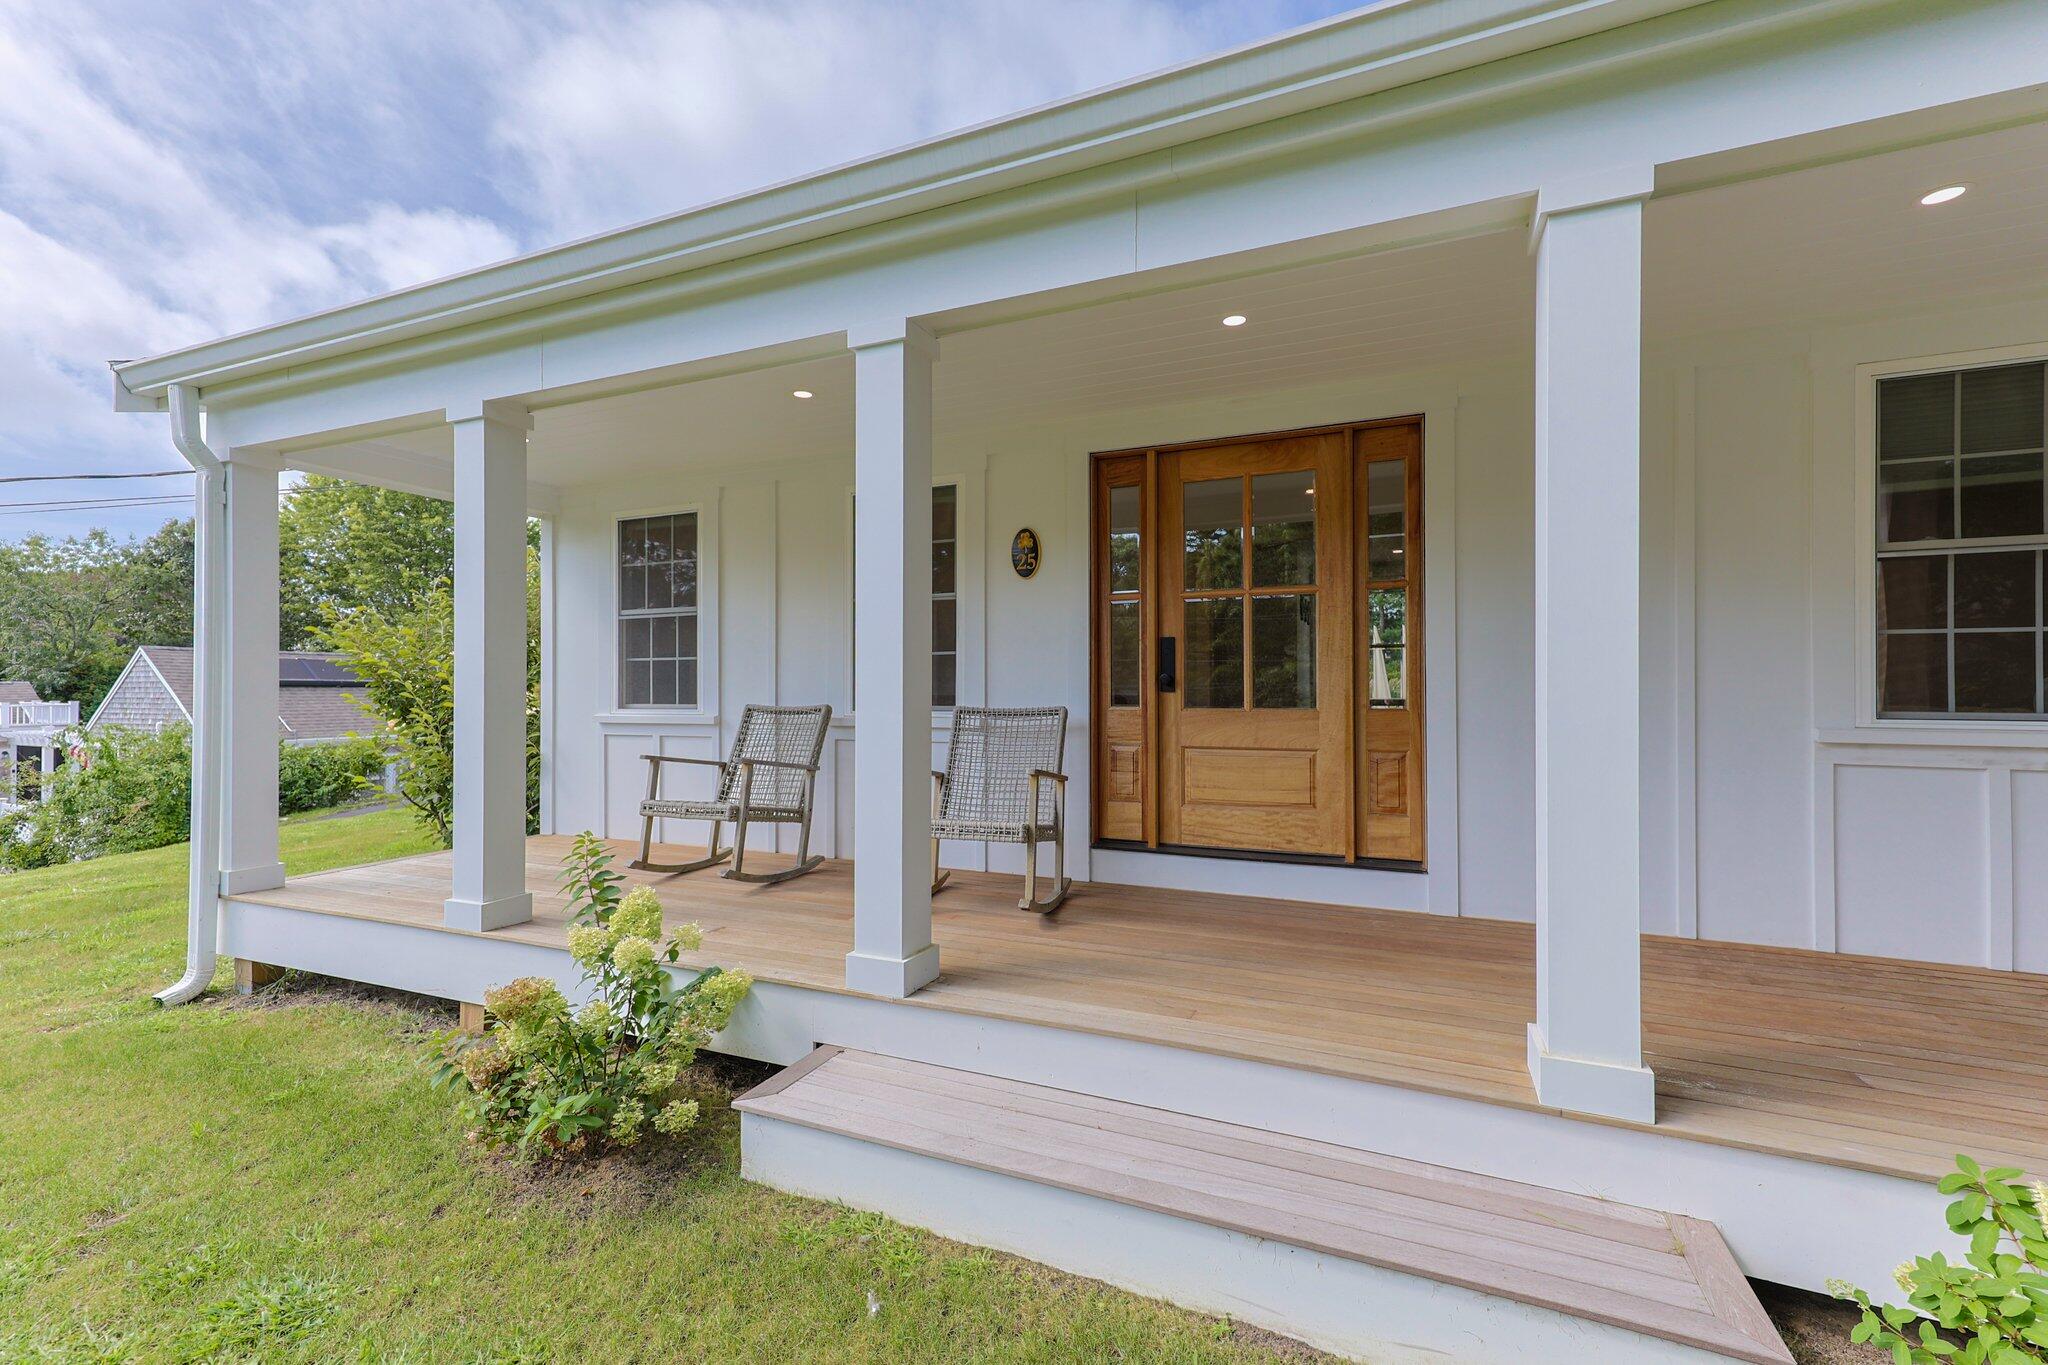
(1582, 1260)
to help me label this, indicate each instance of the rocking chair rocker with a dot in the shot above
(770, 778)
(1003, 785)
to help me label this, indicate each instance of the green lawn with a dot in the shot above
(273, 1180)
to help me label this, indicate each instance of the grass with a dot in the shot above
(227, 1182)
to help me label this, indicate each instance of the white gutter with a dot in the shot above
(209, 672)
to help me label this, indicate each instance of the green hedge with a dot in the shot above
(132, 790)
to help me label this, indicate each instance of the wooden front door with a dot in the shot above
(1255, 680)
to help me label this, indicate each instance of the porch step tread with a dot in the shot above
(1663, 1275)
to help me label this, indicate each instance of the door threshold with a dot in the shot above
(1254, 855)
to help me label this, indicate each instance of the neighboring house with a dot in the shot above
(1537, 518)
(317, 696)
(31, 740)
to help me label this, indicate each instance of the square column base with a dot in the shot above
(236, 881)
(1579, 1086)
(896, 978)
(482, 916)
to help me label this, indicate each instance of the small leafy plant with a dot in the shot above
(1989, 1309)
(549, 1081)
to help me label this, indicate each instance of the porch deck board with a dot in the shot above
(1861, 1062)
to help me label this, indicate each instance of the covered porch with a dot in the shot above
(1819, 1058)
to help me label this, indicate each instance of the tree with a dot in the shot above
(406, 658)
(347, 546)
(73, 610)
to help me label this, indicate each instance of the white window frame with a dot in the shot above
(1867, 570)
(970, 685)
(706, 513)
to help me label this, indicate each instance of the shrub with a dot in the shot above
(551, 1081)
(127, 790)
(316, 776)
(1989, 1309)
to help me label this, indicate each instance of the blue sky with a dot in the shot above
(173, 171)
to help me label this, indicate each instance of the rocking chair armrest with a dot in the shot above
(677, 758)
(1040, 774)
(774, 763)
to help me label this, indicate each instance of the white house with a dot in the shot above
(31, 740)
(1540, 520)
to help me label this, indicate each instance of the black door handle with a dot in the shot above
(1169, 676)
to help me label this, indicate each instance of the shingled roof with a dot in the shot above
(316, 693)
(17, 689)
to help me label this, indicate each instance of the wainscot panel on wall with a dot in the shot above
(2030, 870)
(1911, 878)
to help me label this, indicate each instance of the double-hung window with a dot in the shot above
(1962, 536)
(657, 622)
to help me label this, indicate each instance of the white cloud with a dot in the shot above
(175, 170)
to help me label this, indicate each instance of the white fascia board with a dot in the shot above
(1379, 47)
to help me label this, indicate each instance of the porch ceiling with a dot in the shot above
(1828, 243)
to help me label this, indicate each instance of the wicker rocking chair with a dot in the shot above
(1003, 784)
(770, 778)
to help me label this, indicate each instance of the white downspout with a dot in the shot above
(209, 593)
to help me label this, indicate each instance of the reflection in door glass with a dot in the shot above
(1124, 539)
(1126, 654)
(1387, 683)
(1386, 518)
(1212, 672)
(1284, 651)
(1212, 522)
(1284, 529)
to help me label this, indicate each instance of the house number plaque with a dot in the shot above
(1024, 552)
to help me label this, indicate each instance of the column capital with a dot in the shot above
(909, 333)
(502, 412)
(1593, 190)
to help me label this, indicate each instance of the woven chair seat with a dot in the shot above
(716, 810)
(990, 833)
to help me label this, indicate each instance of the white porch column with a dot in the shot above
(489, 889)
(1585, 1048)
(893, 953)
(249, 853)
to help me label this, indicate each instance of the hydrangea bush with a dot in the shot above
(552, 1081)
(1991, 1308)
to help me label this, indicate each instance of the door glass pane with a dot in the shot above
(1994, 590)
(2002, 495)
(1126, 654)
(1916, 415)
(1387, 687)
(1386, 684)
(945, 625)
(1916, 501)
(1284, 529)
(1995, 671)
(1125, 574)
(1212, 669)
(1913, 593)
(1284, 652)
(1386, 518)
(1912, 673)
(1212, 521)
(2002, 408)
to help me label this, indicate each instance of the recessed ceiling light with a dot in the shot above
(1234, 320)
(1944, 194)
(801, 393)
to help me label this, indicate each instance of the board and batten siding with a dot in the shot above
(1772, 813)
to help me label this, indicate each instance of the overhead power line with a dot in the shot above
(61, 478)
(23, 509)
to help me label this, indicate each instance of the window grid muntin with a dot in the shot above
(623, 561)
(1954, 548)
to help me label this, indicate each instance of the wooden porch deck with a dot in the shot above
(1868, 1063)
